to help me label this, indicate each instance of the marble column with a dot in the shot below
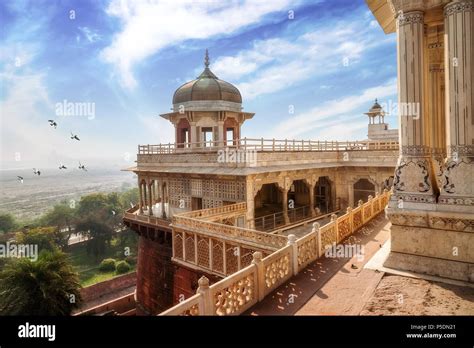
(285, 206)
(150, 199)
(220, 133)
(163, 200)
(140, 189)
(251, 192)
(193, 133)
(414, 177)
(310, 182)
(457, 190)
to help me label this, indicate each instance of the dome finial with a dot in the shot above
(206, 59)
(376, 100)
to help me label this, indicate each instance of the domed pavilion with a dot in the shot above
(207, 111)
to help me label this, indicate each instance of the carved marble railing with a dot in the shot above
(227, 232)
(269, 145)
(224, 210)
(215, 255)
(131, 215)
(238, 292)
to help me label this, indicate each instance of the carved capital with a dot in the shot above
(462, 150)
(409, 18)
(416, 150)
(458, 6)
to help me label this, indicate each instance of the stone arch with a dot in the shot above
(363, 188)
(268, 199)
(323, 192)
(231, 124)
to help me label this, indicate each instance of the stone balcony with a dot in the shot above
(249, 156)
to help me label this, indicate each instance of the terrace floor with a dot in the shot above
(352, 286)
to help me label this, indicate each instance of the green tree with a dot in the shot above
(127, 197)
(98, 233)
(48, 286)
(114, 206)
(95, 203)
(47, 238)
(62, 217)
(7, 223)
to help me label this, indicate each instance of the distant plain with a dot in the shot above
(37, 194)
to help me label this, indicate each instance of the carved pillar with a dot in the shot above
(220, 133)
(310, 185)
(163, 200)
(457, 178)
(150, 199)
(285, 205)
(252, 191)
(435, 96)
(413, 181)
(350, 190)
(145, 199)
(140, 189)
(284, 186)
(194, 138)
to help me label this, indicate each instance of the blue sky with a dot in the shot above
(328, 63)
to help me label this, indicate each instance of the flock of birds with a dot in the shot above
(36, 171)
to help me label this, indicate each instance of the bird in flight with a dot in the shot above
(74, 137)
(36, 171)
(20, 179)
(83, 167)
(53, 123)
(62, 166)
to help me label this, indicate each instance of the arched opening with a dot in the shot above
(231, 131)
(268, 200)
(322, 195)
(363, 188)
(183, 136)
(207, 136)
(298, 201)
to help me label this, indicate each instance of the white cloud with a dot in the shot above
(153, 25)
(332, 114)
(25, 109)
(275, 64)
(89, 34)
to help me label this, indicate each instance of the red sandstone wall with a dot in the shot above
(124, 304)
(101, 289)
(185, 284)
(154, 277)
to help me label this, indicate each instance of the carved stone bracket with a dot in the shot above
(413, 175)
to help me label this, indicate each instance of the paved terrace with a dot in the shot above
(331, 286)
(280, 259)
